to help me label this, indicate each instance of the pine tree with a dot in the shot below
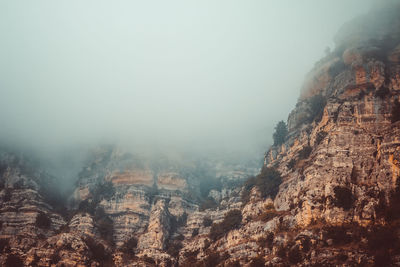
(280, 133)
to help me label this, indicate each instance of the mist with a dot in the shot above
(209, 76)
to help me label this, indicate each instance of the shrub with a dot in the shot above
(354, 175)
(232, 220)
(177, 222)
(88, 206)
(382, 92)
(3, 244)
(382, 258)
(267, 182)
(317, 104)
(320, 136)
(258, 261)
(294, 255)
(207, 221)
(173, 247)
(105, 227)
(208, 183)
(99, 253)
(268, 214)
(338, 234)
(13, 260)
(195, 232)
(147, 259)
(381, 237)
(281, 252)
(129, 245)
(7, 195)
(43, 221)
(392, 211)
(235, 264)
(343, 197)
(291, 164)
(395, 111)
(208, 203)
(247, 186)
(280, 133)
(103, 190)
(266, 241)
(212, 259)
(305, 152)
(381, 242)
(55, 258)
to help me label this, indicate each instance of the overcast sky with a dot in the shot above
(209, 73)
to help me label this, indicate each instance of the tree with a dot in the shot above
(280, 133)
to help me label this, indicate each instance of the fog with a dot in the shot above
(158, 75)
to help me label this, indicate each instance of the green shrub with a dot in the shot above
(343, 197)
(43, 221)
(232, 220)
(280, 133)
(267, 182)
(247, 186)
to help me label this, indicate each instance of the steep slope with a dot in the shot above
(339, 164)
(328, 195)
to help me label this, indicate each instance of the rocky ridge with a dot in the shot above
(335, 204)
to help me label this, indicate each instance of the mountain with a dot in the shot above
(327, 195)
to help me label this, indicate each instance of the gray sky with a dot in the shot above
(210, 73)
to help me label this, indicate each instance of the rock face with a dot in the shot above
(336, 204)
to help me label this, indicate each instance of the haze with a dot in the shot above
(213, 75)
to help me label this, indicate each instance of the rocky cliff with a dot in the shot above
(326, 196)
